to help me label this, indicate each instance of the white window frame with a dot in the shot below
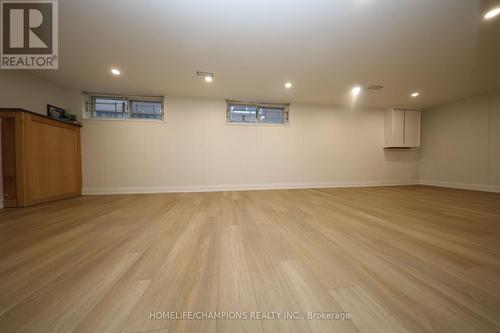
(284, 106)
(89, 115)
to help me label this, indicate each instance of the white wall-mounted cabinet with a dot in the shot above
(402, 128)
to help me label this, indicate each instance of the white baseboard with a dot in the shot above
(237, 187)
(462, 186)
(278, 186)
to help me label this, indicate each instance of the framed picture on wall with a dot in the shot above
(55, 112)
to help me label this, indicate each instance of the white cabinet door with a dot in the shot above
(412, 128)
(398, 128)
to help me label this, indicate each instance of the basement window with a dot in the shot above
(100, 106)
(256, 113)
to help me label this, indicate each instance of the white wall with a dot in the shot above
(461, 144)
(195, 149)
(20, 89)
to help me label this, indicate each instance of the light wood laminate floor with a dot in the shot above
(397, 259)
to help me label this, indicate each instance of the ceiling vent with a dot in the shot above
(375, 88)
(205, 74)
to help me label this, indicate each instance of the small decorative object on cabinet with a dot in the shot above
(59, 114)
(55, 113)
(402, 128)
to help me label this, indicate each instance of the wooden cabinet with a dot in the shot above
(41, 159)
(402, 128)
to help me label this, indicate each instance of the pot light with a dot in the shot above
(355, 91)
(492, 13)
(415, 94)
(115, 71)
(208, 79)
(288, 85)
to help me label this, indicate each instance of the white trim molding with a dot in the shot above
(461, 186)
(238, 187)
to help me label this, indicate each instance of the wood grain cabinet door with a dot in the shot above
(8, 137)
(52, 159)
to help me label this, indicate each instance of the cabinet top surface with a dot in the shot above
(38, 114)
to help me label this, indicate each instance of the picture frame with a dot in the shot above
(55, 113)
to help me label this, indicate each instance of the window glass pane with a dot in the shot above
(103, 107)
(146, 110)
(272, 115)
(242, 113)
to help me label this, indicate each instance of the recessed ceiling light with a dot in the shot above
(492, 13)
(288, 85)
(355, 91)
(115, 71)
(415, 94)
(208, 79)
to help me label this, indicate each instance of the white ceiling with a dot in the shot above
(442, 48)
